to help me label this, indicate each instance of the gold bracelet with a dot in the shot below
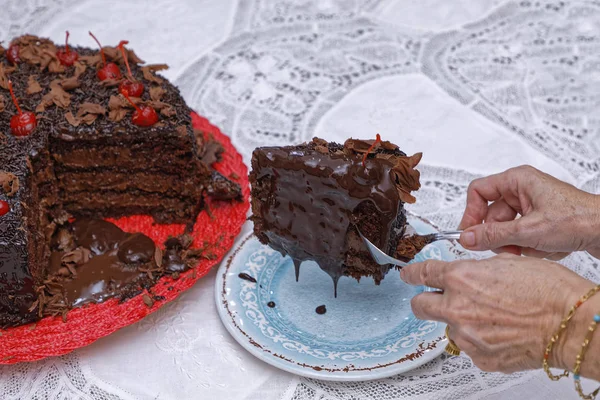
(561, 328)
(579, 360)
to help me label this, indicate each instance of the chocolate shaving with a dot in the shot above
(70, 83)
(9, 183)
(79, 68)
(165, 109)
(148, 300)
(114, 54)
(71, 119)
(148, 72)
(212, 151)
(56, 96)
(33, 85)
(157, 92)
(77, 257)
(4, 71)
(118, 107)
(87, 113)
(92, 61)
(403, 172)
(158, 256)
(64, 240)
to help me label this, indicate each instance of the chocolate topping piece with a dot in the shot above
(149, 70)
(9, 183)
(33, 85)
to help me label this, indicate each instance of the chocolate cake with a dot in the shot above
(91, 150)
(309, 201)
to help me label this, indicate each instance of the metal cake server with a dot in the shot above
(383, 259)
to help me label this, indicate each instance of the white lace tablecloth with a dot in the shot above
(478, 86)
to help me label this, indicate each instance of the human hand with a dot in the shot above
(556, 218)
(503, 310)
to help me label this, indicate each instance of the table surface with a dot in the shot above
(479, 86)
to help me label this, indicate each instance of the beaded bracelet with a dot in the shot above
(561, 328)
(579, 360)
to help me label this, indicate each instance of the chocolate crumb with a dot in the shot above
(271, 304)
(321, 309)
(148, 300)
(246, 277)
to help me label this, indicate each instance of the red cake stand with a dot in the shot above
(53, 337)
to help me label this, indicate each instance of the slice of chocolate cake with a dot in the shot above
(97, 146)
(309, 200)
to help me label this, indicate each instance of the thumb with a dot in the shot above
(491, 235)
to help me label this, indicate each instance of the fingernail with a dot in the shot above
(467, 239)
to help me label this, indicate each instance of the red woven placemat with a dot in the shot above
(53, 337)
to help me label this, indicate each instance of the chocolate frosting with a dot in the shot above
(94, 260)
(305, 197)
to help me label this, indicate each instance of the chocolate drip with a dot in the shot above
(246, 277)
(297, 264)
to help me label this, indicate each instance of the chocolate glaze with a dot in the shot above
(246, 277)
(306, 201)
(94, 260)
(321, 310)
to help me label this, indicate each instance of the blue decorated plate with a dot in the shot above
(367, 332)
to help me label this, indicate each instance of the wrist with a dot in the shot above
(567, 347)
(591, 225)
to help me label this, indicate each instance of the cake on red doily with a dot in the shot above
(87, 135)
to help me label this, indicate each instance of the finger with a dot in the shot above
(500, 211)
(429, 273)
(482, 191)
(494, 235)
(428, 306)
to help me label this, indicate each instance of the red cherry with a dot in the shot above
(4, 207)
(131, 87)
(23, 123)
(66, 56)
(12, 54)
(108, 71)
(143, 115)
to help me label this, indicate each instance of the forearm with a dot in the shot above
(570, 344)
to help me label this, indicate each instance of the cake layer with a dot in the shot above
(152, 182)
(118, 204)
(123, 158)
